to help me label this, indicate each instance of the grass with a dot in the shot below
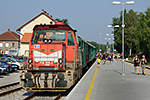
(148, 60)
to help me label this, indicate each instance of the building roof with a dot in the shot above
(9, 36)
(43, 12)
(26, 37)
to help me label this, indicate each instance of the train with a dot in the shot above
(57, 58)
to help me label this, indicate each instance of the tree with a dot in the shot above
(65, 21)
(136, 32)
(131, 38)
(101, 46)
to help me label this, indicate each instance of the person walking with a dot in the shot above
(109, 59)
(98, 61)
(136, 64)
(104, 58)
(143, 64)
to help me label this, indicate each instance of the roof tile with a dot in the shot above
(26, 37)
(10, 36)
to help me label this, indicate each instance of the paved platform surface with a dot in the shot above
(9, 78)
(110, 84)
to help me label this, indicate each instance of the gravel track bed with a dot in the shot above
(18, 95)
(46, 98)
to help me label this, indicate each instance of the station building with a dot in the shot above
(9, 40)
(26, 29)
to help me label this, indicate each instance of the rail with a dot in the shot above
(6, 89)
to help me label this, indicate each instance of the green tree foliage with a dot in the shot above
(136, 32)
(65, 21)
(98, 46)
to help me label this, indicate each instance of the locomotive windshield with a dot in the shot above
(55, 35)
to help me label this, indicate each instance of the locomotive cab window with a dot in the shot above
(55, 35)
(70, 39)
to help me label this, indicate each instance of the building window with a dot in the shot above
(1, 44)
(7, 44)
(6, 52)
(13, 44)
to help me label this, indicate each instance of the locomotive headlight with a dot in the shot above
(30, 61)
(60, 61)
(50, 41)
(45, 40)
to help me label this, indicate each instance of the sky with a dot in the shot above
(88, 17)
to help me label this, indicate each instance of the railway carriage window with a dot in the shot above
(70, 39)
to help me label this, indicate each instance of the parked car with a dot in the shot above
(23, 60)
(3, 70)
(6, 55)
(5, 67)
(13, 52)
(12, 61)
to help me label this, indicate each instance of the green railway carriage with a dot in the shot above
(87, 51)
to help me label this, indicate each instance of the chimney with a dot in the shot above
(42, 10)
(8, 29)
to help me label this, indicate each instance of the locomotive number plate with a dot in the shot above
(47, 63)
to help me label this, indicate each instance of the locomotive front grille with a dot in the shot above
(48, 59)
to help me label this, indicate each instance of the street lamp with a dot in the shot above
(99, 42)
(107, 40)
(113, 38)
(117, 3)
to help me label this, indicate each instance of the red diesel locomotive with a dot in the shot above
(57, 58)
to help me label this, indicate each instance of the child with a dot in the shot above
(98, 61)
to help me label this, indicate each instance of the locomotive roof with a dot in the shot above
(53, 27)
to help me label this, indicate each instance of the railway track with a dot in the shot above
(6, 89)
(33, 96)
(30, 96)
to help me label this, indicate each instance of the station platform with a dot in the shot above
(108, 83)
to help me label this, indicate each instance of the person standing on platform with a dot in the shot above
(118, 57)
(98, 61)
(136, 64)
(109, 59)
(143, 64)
(104, 58)
(121, 55)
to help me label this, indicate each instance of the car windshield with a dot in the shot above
(2, 63)
(22, 59)
(14, 51)
(55, 35)
(14, 59)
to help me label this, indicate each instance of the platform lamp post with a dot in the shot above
(113, 38)
(106, 45)
(107, 40)
(118, 3)
(99, 42)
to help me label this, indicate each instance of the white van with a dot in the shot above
(13, 52)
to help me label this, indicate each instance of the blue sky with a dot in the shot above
(88, 17)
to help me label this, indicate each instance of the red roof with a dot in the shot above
(34, 19)
(26, 37)
(9, 36)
